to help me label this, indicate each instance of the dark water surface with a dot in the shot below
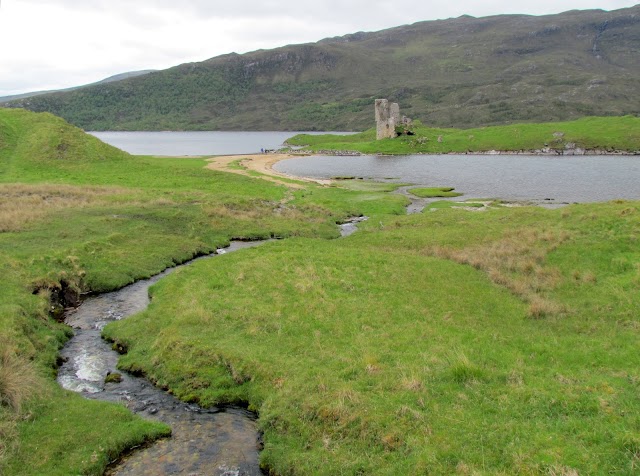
(213, 441)
(197, 143)
(550, 179)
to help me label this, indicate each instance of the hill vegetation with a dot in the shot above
(116, 77)
(463, 72)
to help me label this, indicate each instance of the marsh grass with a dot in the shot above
(517, 262)
(21, 204)
(432, 344)
(434, 192)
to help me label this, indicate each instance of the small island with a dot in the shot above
(396, 135)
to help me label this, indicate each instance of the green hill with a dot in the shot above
(460, 72)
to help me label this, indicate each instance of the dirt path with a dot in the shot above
(263, 164)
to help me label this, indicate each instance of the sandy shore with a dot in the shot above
(261, 163)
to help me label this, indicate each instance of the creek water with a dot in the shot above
(221, 441)
(212, 441)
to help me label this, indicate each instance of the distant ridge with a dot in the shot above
(115, 77)
(461, 72)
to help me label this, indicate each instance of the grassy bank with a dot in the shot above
(80, 215)
(451, 342)
(605, 134)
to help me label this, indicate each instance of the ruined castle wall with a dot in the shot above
(387, 116)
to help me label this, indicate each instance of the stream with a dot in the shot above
(212, 441)
(220, 441)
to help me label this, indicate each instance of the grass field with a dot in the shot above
(452, 342)
(606, 134)
(449, 342)
(79, 214)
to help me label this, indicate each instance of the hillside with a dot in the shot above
(115, 77)
(460, 72)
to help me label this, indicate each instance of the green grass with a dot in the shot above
(434, 192)
(494, 343)
(606, 134)
(502, 342)
(450, 204)
(77, 212)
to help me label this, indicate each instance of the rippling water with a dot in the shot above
(557, 179)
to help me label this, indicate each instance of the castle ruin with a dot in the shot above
(387, 118)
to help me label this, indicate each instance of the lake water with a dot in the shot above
(197, 143)
(546, 179)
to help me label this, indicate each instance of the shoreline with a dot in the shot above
(536, 152)
(262, 164)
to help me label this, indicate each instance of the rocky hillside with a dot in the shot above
(459, 72)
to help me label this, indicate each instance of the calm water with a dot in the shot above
(517, 177)
(197, 143)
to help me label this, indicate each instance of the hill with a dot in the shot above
(115, 77)
(460, 72)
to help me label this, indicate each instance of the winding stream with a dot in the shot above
(212, 441)
(220, 441)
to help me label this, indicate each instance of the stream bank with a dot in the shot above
(220, 441)
(214, 441)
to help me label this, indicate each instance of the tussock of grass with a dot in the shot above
(21, 204)
(18, 379)
(19, 383)
(517, 262)
(434, 192)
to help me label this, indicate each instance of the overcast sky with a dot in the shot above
(52, 44)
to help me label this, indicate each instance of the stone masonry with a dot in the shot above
(387, 117)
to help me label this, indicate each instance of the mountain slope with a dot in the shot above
(457, 72)
(110, 79)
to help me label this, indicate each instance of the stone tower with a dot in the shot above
(387, 117)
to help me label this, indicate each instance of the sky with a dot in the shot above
(53, 44)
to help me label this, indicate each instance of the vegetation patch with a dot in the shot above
(594, 134)
(450, 204)
(434, 192)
